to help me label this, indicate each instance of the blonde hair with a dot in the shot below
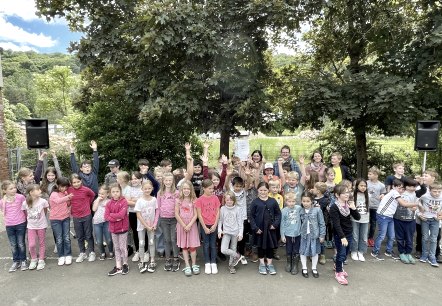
(290, 196)
(23, 172)
(123, 175)
(146, 182)
(321, 187)
(231, 195)
(337, 154)
(163, 187)
(435, 185)
(192, 191)
(293, 175)
(274, 183)
(398, 164)
(5, 185)
(432, 173)
(374, 170)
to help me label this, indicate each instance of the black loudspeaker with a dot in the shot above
(427, 135)
(37, 133)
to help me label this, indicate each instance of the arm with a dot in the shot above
(321, 225)
(404, 203)
(205, 171)
(95, 159)
(39, 168)
(120, 214)
(200, 217)
(302, 168)
(277, 215)
(177, 214)
(335, 218)
(281, 171)
(74, 166)
(240, 226)
(96, 203)
(54, 198)
(142, 221)
(421, 191)
(223, 173)
(220, 223)
(157, 216)
(213, 228)
(56, 164)
(228, 179)
(155, 184)
(189, 161)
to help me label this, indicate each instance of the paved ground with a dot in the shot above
(370, 283)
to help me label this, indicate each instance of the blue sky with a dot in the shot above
(22, 30)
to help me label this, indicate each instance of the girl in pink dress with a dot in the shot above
(186, 228)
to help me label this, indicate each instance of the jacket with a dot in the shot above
(257, 209)
(116, 213)
(316, 224)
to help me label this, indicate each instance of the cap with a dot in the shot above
(113, 163)
(268, 166)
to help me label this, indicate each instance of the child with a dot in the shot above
(241, 204)
(269, 173)
(187, 230)
(111, 176)
(36, 208)
(166, 165)
(340, 214)
(385, 213)
(431, 205)
(116, 213)
(60, 217)
(265, 217)
(398, 169)
(194, 170)
(323, 202)
(208, 214)
(101, 226)
(88, 171)
(50, 177)
(360, 227)
(26, 177)
(330, 180)
(404, 222)
(143, 165)
(291, 232)
(230, 228)
(15, 221)
(82, 217)
(291, 181)
(312, 234)
(375, 189)
(275, 186)
(147, 212)
(166, 205)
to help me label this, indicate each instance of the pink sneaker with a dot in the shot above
(344, 273)
(340, 278)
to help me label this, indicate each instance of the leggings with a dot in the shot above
(265, 253)
(33, 235)
(120, 248)
(150, 243)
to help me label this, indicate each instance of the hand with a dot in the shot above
(272, 227)
(204, 159)
(100, 197)
(53, 154)
(259, 232)
(93, 145)
(206, 144)
(43, 155)
(71, 147)
(187, 146)
(344, 242)
(229, 171)
(321, 240)
(213, 229)
(301, 159)
(71, 195)
(207, 230)
(280, 161)
(224, 159)
(239, 237)
(220, 234)
(351, 205)
(283, 240)
(422, 218)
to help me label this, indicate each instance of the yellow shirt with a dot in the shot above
(338, 175)
(279, 198)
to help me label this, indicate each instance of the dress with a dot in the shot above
(263, 215)
(187, 239)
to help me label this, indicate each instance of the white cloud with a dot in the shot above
(14, 47)
(25, 9)
(12, 33)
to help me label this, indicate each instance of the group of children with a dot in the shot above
(243, 210)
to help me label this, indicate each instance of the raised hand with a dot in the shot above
(43, 155)
(187, 146)
(71, 147)
(224, 159)
(53, 154)
(93, 145)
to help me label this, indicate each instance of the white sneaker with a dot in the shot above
(214, 268)
(136, 257)
(361, 256)
(354, 256)
(68, 260)
(208, 269)
(146, 257)
(243, 260)
(33, 264)
(55, 249)
(41, 265)
(61, 261)
(81, 257)
(91, 257)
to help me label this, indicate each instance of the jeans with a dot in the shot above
(292, 245)
(360, 232)
(386, 228)
(61, 230)
(16, 236)
(159, 240)
(404, 231)
(372, 223)
(83, 231)
(430, 230)
(341, 251)
(102, 230)
(209, 241)
(168, 226)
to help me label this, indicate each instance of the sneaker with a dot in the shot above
(142, 267)
(411, 259)
(111, 256)
(81, 257)
(33, 264)
(377, 256)
(176, 265)
(23, 266)
(14, 266)
(208, 269)
(146, 257)
(236, 259)
(361, 257)
(61, 261)
(114, 271)
(55, 249)
(103, 256)
(214, 268)
(433, 262)
(392, 254)
(232, 269)
(125, 269)
(151, 267)
(262, 269)
(354, 256)
(271, 269)
(136, 257)
(439, 259)
(423, 259)
(91, 257)
(345, 274)
(243, 260)
(168, 265)
(370, 242)
(404, 258)
(41, 265)
(187, 271)
(340, 278)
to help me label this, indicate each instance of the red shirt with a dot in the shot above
(209, 208)
(81, 201)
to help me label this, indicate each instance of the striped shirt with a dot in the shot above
(388, 204)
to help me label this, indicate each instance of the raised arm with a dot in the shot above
(56, 164)
(281, 171)
(74, 166)
(39, 168)
(302, 168)
(189, 161)
(95, 159)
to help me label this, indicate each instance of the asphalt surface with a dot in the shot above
(370, 283)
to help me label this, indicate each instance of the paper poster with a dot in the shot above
(242, 148)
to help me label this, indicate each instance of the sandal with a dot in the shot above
(187, 271)
(305, 273)
(315, 273)
(196, 269)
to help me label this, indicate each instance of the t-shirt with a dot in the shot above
(432, 206)
(12, 211)
(338, 175)
(36, 215)
(147, 210)
(389, 203)
(375, 189)
(278, 199)
(166, 204)
(135, 192)
(389, 180)
(99, 213)
(209, 206)
(361, 207)
(405, 213)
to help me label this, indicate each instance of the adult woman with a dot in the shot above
(316, 165)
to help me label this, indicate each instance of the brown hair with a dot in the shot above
(30, 188)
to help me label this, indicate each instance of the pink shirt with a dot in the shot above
(166, 204)
(12, 211)
(209, 208)
(36, 214)
(59, 204)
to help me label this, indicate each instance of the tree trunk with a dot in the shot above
(224, 143)
(361, 150)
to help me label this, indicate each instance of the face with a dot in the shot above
(115, 193)
(335, 160)
(237, 164)
(399, 189)
(285, 153)
(410, 188)
(292, 182)
(197, 169)
(186, 190)
(10, 191)
(237, 188)
(35, 193)
(285, 172)
(274, 188)
(362, 187)
(372, 176)
(147, 189)
(136, 181)
(215, 181)
(315, 191)
(435, 193)
(29, 178)
(306, 202)
(102, 193)
(208, 190)
(330, 176)
(399, 170)
(290, 203)
(256, 157)
(263, 192)
(343, 197)
(62, 188)
(428, 179)
(168, 168)
(86, 168)
(268, 171)
(317, 158)
(76, 183)
(229, 201)
(159, 177)
(114, 169)
(50, 177)
(167, 181)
